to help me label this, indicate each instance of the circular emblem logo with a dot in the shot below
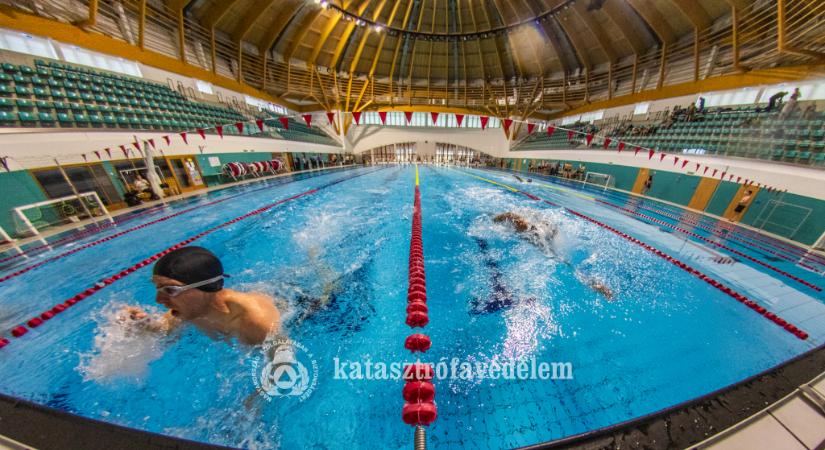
(284, 369)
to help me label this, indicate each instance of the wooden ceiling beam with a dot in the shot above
(399, 42)
(213, 15)
(375, 15)
(301, 29)
(495, 44)
(344, 38)
(596, 30)
(252, 15)
(277, 27)
(575, 39)
(694, 12)
(625, 26)
(654, 18)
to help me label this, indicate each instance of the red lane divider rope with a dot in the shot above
(129, 230)
(419, 391)
(718, 285)
(39, 320)
(709, 241)
(728, 235)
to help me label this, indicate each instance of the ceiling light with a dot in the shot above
(378, 28)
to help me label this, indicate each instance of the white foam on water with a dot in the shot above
(122, 350)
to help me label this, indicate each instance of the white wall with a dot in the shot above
(491, 141)
(39, 148)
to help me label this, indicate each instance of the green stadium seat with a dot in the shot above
(39, 92)
(26, 70)
(7, 67)
(24, 103)
(43, 105)
(26, 117)
(22, 90)
(81, 118)
(6, 103)
(7, 118)
(45, 117)
(64, 119)
(72, 96)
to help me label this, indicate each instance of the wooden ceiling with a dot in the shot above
(455, 40)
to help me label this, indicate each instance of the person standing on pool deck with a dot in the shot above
(189, 283)
(648, 185)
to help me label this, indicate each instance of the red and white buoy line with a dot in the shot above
(47, 315)
(419, 392)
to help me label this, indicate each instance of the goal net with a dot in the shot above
(599, 179)
(31, 219)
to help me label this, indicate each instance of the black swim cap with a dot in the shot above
(191, 265)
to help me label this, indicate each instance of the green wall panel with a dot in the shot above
(722, 198)
(673, 187)
(793, 216)
(18, 188)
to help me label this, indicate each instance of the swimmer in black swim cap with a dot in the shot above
(190, 283)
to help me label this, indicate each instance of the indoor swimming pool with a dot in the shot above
(650, 306)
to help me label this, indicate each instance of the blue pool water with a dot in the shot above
(664, 338)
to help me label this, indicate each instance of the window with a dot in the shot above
(261, 104)
(204, 87)
(641, 108)
(25, 43)
(77, 55)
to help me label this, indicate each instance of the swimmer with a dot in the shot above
(600, 287)
(189, 283)
(522, 225)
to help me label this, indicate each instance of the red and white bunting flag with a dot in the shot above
(621, 146)
(408, 116)
(240, 127)
(713, 175)
(383, 116)
(202, 133)
(141, 152)
(183, 136)
(722, 177)
(675, 160)
(550, 130)
(730, 177)
(484, 120)
(219, 129)
(570, 135)
(758, 185)
(650, 154)
(530, 127)
(434, 116)
(706, 170)
(697, 167)
(4, 162)
(330, 117)
(588, 139)
(168, 140)
(662, 157)
(84, 157)
(607, 142)
(284, 122)
(308, 119)
(124, 150)
(506, 125)
(97, 153)
(152, 143)
(260, 124)
(136, 145)
(747, 181)
(356, 116)
(684, 163)
(636, 152)
(108, 152)
(738, 179)
(459, 118)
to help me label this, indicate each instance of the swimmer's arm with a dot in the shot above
(140, 318)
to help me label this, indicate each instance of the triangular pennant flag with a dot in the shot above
(621, 146)
(84, 157)
(308, 119)
(662, 157)
(569, 135)
(141, 152)
(408, 116)
(650, 154)
(356, 116)
(506, 124)
(284, 122)
(330, 117)
(124, 150)
(219, 129)
(675, 160)
(550, 130)
(697, 167)
(684, 163)
(136, 145)
(97, 153)
(606, 143)
(260, 124)
(240, 127)
(759, 185)
(4, 162)
(722, 177)
(383, 116)
(484, 120)
(706, 170)
(168, 140)
(730, 177)
(588, 139)
(530, 127)
(636, 152)
(152, 143)
(746, 181)
(108, 152)
(434, 116)
(738, 179)
(183, 136)
(459, 118)
(202, 133)
(713, 175)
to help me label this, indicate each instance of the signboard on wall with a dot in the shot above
(214, 161)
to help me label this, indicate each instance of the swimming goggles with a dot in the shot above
(173, 291)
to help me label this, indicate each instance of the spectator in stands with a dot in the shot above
(648, 184)
(701, 104)
(775, 100)
(790, 106)
(691, 112)
(810, 112)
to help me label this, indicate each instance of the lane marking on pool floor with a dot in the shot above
(701, 238)
(38, 264)
(715, 283)
(39, 320)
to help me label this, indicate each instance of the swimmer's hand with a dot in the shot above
(132, 314)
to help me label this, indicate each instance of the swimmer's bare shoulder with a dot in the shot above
(259, 316)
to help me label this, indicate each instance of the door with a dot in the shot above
(640, 180)
(187, 173)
